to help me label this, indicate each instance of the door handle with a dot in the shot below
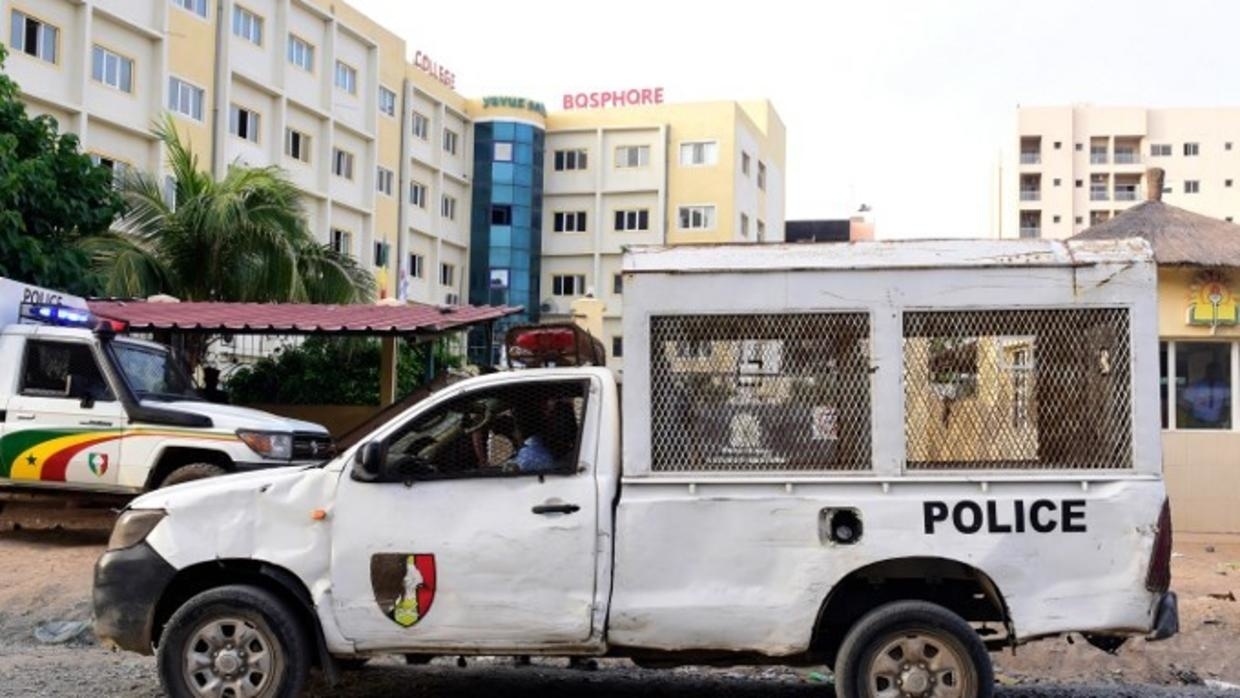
(556, 509)
(25, 417)
(96, 423)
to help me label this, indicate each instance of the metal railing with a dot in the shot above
(1028, 232)
(1096, 158)
(1098, 195)
(1027, 158)
(1030, 194)
(1126, 157)
(1125, 194)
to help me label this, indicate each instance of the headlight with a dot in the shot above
(133, 526)
(268, 444)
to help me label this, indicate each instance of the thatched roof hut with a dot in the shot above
(1179, 237)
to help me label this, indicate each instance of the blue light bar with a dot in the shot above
(57, 315)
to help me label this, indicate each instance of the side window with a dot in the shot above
(527, 428)
(49, 367)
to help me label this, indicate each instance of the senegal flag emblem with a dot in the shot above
(98, 463)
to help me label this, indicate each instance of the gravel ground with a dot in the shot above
(47, 570)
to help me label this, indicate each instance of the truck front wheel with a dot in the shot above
(913, 648)
(192, 471)
(233, 641)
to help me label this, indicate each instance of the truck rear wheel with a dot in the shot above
(913, 648)
(193, 471)
(233, 641)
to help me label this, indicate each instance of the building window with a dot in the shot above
(346, 77)
(745, 225)
(1058, 145)
(1080, 220)
(1190, 149)
(381, 253)
(247, 25)
(631, 220)
(632, 155)
(417, 265)
(198, 7)
(1080, 147)
(116, 167)
(568, 284)
(384, 179)
(421, 126)
(617, 347)
(1202, 386)
(699, 153)
(450, 140)
(1080, 183)
(297, 145)
(111, 69)
(744, 163)
(447, 207)
(243, 123)
(1056, 181)
(387, 101)
(569, 222)
(762, 175)
(501, 214)
(342, 241)
(617, 284)
(417, 194)
(34, 37)
(570, 160)
(1054, 219)
(503, 151)
(1160, 150)
(185, 99)
(1192, 186)
(447, 274)
(697, 217)
(761, 231)
(301, 53)
(342, 163)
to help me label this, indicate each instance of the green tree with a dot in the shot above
(330, 371)
(52, 198)
(241, 238)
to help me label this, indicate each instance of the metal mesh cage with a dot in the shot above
(1039, 389)
(744, 393)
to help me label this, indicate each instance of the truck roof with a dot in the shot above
(888, 254)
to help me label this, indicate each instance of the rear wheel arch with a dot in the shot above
(957, 586)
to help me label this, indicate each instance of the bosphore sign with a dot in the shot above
(617, 98)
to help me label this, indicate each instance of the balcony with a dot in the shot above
(1030, 194)
(1126, 157)
(1027, 158)
(1125, 194)
(1027, 232)
(1097, 158)
(1098, 195)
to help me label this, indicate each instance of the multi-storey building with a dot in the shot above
(447, 199)
(1073, 167)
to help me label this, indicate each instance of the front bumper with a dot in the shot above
(1167, 618)
(128, 585)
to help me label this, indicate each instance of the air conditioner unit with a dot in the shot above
(452, 299)
(547, 306)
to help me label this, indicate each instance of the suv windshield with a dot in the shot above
(153, 373)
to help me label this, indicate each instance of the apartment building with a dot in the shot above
(1073, 167)
(447, 199)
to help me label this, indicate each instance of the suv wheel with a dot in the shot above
(193, 471)
(233, 641)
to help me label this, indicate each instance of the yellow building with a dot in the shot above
(386, 151)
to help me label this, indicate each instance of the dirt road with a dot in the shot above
(46, 575)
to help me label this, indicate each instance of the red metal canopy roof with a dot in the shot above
(297, 318)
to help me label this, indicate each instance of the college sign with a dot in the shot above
(1211, 301)
(428, 65)
(514, 103)
(618, 98)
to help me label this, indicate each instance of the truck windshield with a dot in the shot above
(152, 373)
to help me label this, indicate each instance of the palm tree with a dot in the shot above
(242, 238)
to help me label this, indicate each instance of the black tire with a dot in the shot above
(352, 663)
(282, 640)
(193, 471)
(901, 622)
(418, 659)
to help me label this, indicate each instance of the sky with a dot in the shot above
(904, 106)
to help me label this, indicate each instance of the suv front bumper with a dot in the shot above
(128, 585)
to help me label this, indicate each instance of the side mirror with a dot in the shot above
(368, 462)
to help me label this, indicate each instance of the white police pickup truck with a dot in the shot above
(885, 457)
(84, 411)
